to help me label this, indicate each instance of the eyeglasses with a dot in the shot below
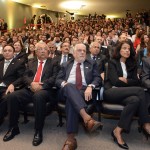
(51, 47)
(96, 47)
(40, 49)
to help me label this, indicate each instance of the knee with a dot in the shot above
(38, 98)
(135, 100)
(140, 91)
(10, 97)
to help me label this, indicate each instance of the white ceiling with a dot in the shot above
(109, 7)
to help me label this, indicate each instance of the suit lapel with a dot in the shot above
(1, 68)
(35, 65)
(120, 69)
(89, 56)
(10, 67)
(68, 69)
(45, 68)
(86, 69)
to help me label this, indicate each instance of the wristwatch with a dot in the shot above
(91, 85)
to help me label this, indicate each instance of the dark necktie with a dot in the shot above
(94, 57)
(78, 76)
(38, 73)
(64, 58)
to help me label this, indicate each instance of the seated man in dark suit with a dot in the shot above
(11, 72)
(39, 78)
(103, 49)
(76, 80)
(53, 52)
(98, 57)
(65, 56)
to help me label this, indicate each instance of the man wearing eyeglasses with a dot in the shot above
(39, 79)
(65, 55)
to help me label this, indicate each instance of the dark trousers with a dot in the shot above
(23, 97)
(75, 101)
(133, 98)
(3, 103)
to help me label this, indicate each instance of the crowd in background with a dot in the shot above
(123, 43)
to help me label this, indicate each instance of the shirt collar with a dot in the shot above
(8, 60)
(42, 61)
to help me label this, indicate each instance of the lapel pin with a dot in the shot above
(86, 67)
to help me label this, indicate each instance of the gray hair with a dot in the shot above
(92, 44)
(40, 43)
(75, 48)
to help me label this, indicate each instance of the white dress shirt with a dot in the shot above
(72, 76)
(6, 64)
(124, 70)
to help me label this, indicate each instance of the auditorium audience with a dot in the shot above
(105, 40)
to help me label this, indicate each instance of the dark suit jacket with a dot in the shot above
(56, 53)
(49, 73)
(90, 71)
(100, 60)
(105, 51)
(23, 56)
(58, 58)
(1, 57)
(13, 74)
(114, 71)
(146, 72)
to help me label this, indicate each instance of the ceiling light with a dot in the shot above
(72, 5)
(111, 16)
(36, 5)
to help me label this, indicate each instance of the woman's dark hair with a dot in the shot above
(130, 62)
(21, 44)
(29, 52)
(143, 45)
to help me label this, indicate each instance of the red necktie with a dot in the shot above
(78, 76)
(38, 73)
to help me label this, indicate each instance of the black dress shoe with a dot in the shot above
(38, 138)
(11, 134)
(124, 146)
